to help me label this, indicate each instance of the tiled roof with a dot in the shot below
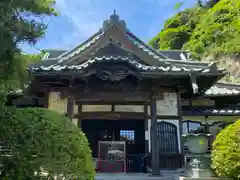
(164, 68)
(176, 54)
(44, 63)
(61, 55)
(146, 48)
(53, 53)
(223, 89)
(166, 60)
(83, 46)
(197, 111)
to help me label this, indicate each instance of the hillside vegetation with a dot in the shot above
(211, 31)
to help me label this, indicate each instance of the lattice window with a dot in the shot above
(167, 138)
(128, 136)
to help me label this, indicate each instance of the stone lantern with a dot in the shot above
(199, 165)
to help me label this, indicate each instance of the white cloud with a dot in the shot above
(83, 16)
(79, 19)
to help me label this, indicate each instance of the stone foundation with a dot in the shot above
(204, 178)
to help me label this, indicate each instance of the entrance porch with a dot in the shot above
(133, 132)
(130, 131)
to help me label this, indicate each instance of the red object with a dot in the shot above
(105, 166)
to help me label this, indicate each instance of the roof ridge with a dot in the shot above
(186, 61)
(87, 43)
(145, 44)
(54, 49)
(228, 83)
(173, 50)
(81, 44)
(166, 58)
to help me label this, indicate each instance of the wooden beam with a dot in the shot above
(110, 115)
(112, 96)
(123, 115)
(103, 102)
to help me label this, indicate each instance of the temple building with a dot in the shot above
(117, 88)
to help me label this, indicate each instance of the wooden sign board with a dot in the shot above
(167, 106)
(203, 102)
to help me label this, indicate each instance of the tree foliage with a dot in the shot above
(19, 75)
(218, 29)
(20, 21)
(40, 139)
(214, 26)
(225, 153)
(210, 28)
(178, 29)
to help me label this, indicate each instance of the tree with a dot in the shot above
(20, 21)
(209, 29)
(40, 139)
(19, 76)
(178, 5)
(207, 3)
(225, 154)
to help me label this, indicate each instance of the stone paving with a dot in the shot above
(136, 176)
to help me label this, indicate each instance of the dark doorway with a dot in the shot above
(169, 155)
(131, 131)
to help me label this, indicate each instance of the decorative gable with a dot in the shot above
(115, 44)
(131, 49)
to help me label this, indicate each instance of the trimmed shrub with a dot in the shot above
(226, 152)
(42, 140)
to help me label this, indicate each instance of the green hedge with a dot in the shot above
(40, 139)
(226, 152)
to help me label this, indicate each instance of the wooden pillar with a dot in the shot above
(146, 128)
(70, 107)
(79, 115)
(46, 99)
(180, 125)
(179, 103)
(154, 140)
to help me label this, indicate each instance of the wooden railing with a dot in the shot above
(171, 161)
(135, 163)
(140, 162)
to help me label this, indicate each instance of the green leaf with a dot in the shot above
(178, 5)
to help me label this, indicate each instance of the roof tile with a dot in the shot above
(188, 110)
(216, 90)
(164, 68)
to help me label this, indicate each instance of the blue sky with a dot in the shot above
(79, 19)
